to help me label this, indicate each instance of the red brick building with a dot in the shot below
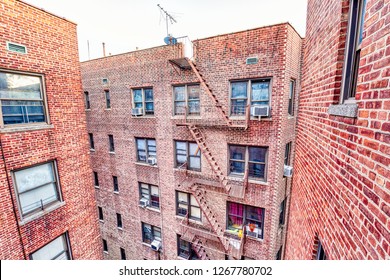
(340, 204)
(189, 155)
(48, 210)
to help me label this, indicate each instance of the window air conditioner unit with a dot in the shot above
(288, 171)
(144, 202)
(156, 245)
(152, 161)
(260, 111)
(137, 111)
(256, 232)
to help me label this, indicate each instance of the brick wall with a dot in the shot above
(341, 188)
(220, 59)
(52, 51)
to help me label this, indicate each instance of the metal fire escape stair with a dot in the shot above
(210, 93)
(200, 140)
(199, 194)
(200, 251)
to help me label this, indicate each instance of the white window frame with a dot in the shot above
(144, 113)
(66, 250)
(186, 100)
(43, 99)
(43, 207)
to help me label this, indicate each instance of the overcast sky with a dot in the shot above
(125, 25)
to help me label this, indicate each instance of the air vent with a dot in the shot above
(105, 81)
(16, 48)
(252, 60)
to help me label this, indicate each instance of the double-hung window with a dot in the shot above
(91, 142)
(143, 99)
(187, 204)
(58, 249)
(150, 193)
(291, 96)
(108, 99)
(186, 100)
(150, 233)
(115, 183)
(37, 187)
(253, 159)
(87, 101)
(287, 154)
(353, 47)
(188, 155)
(184, 249)
(146, 148)
(22, 99)
(111, 146)
(251, 217)
(249, 92)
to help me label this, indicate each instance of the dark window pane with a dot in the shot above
(239, 90)
(256, 170)
(137, 95)
(257, 154)
(148, 94)
(260, 91)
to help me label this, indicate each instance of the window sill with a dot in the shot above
(115, 192)
(181, 218)
(182, 117)
(42, 213)
(144, 117)
(120, 228)
(107, 109)
(92, 150)
(145, 164)
(111, 153)
(97, 187)
(240, 178)
(349, 110)
(22, 128)
(187, 170)
(151, 209)
(101, 221)
(243, 118)
(88, 110)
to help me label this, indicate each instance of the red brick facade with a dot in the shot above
(341, 187)
(52, 52)
(220, 60)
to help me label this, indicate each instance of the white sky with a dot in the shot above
(125, 25)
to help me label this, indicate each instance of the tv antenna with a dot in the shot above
(168, 17)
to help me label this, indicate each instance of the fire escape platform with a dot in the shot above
(182, 63)
(237, 190)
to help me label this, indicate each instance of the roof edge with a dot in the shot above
(41, 9)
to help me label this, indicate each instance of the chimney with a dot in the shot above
(104, 49)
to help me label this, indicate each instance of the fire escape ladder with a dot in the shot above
(200, 140)
(210, 93)
(200, 251)
(199, 194)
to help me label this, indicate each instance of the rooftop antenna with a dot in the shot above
(167, 17)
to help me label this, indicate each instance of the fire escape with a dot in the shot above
(192, 232)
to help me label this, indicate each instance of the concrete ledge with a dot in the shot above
(344, 110)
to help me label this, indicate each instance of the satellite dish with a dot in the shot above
(169, 40)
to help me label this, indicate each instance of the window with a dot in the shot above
(105, 81)
(91, 142)
(240, 215)
(187, 204)
(123, 254)
(111, 143)
(252, 159)
(116, 185)
(37, 187)
(87, 102)
(96, 178)
(150, 192)
(188, 155)
(21, 99)
(100, 210)
(119, 220)
(291, 98)
(58, 249)
(279, 254)
(251, 92)
(320, 252)
(105, 246)
(146, 148)
(281, 212)
(184, 249)
(150, 233)
(287, 153)
(353, 47)
(108, 99)
(143, 98)
(13, 47)
(186, 100)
